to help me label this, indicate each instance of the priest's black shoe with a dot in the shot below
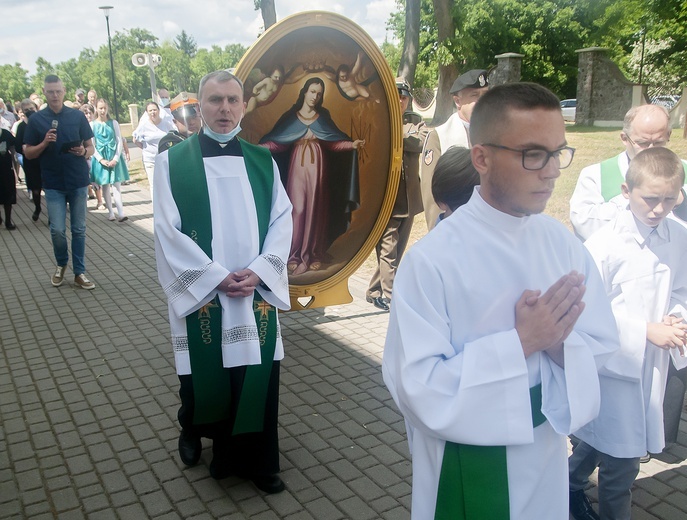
(580, 507)
(270, 484)
(190, 448)
(35, 215)
(379, 302)
(10, 225)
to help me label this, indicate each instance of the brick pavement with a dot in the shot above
(88, 399)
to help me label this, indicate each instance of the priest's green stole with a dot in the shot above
(211, 381)
(473, 483)
(612, 179)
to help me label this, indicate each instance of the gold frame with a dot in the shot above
(334, 290)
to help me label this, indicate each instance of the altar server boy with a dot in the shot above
(641, 256)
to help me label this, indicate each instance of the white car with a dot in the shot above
(568, 107)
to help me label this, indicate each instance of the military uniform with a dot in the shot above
(454, 132)
(408, 203)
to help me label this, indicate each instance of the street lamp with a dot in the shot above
(106, 9)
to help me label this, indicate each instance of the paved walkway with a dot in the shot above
(88, 399)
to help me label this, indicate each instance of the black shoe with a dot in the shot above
(10, 225)
(645, 458)
(379, 302)
(580, 507)
(219, 468)
(190, 448)
(270, 484)
(35, 215)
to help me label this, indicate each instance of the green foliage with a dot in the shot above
(182, 67)
(548, 32)
(14, 83)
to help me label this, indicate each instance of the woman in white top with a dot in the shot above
(147, 136)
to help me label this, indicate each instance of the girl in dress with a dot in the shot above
(108, 168)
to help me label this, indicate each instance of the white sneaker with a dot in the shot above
(58, 277)
(80, 280)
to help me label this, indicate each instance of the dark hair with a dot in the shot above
(51, 78)
(301, 95)
(150, 103)
(656, 162)
(491, 111)
(454, 178)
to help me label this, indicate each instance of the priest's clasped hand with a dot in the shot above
(239, 283)
(543, 322)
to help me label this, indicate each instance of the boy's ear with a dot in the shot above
(625, 190)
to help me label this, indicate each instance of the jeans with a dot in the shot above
(56, 202)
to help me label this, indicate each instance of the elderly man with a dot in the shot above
(222, 236)
(597, 198)
(408, 204)
(63, 139)
(492, 353)
(186, 113)
(466, 91)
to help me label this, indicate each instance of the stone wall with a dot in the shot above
(507, 70)
(604, 94)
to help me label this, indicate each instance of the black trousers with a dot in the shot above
(674, 401)
(247, 454)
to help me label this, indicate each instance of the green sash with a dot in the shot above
(473, 483)
(611, 178)
(190, 192)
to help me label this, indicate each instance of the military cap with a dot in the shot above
(476, 78)
(403, 87)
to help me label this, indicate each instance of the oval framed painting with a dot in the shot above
(322, 98)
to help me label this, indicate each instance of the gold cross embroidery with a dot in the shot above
(204, 311)
(263, 307)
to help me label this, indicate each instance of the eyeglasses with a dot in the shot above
(536, 158)
(646, 144)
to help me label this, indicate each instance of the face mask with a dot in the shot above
(222, 138)
(2, 110)
(164, 101)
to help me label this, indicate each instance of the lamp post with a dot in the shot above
(106, 9)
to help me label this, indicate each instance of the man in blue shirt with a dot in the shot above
(63, 139)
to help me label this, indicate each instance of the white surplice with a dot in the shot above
(454, 364)
(190, 278)
(644, 275)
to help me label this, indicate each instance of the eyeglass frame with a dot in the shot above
(549, 155)
(645, 145)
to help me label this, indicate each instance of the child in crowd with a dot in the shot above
(641, 256)
(454, 180)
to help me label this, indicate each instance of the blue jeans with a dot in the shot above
(56, 202)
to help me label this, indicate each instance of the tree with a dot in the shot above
(186, 44)
(268, 10)
(448, 71)
(411, 41)
(14, 83)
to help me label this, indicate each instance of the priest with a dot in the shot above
(499, 325)
(222, 236)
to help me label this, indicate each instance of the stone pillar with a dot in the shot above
(133, 115)
(604, 94)
(508, 69)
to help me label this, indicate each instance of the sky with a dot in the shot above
(58, 30)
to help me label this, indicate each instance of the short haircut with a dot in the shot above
(657, 163)
(454, 178)
(220, 76)
(51, 78)
(491, 111)
(632, 114)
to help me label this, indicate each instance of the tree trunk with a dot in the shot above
(446, 30)
(411, 42)
(269, 13)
